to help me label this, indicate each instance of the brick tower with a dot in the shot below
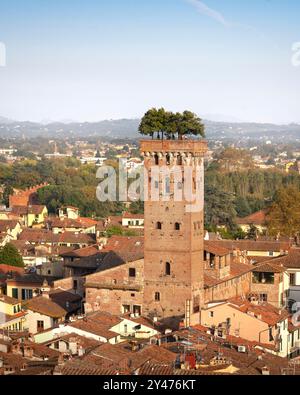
(173, 254)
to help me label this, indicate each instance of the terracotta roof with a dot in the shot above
(11, 269)
(14, 360)
(252, 245)
(79, 223)
(154, 369)
(99, 324)
(121, 356)
(133, 216)
(264, 312)
(47, 236)
(45, 306)
(290, 261)
(24, 210)
(80, 368)
(82, 252)
(8, 300)
(66, 300)
(31, 278)
(269, 267)
(236, 270)
(249, 363)
(7, 224)
(258, 218)
(85, 342)
(213, 248)
(40, 350)
(119, 243)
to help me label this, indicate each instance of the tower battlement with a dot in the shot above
(181, 146)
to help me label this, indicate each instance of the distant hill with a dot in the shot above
(128, 128)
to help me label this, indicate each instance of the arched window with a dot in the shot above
(157, 296)
(168, 159)
(168, 269)
(156, 158)
(177, 226)
(159, 225)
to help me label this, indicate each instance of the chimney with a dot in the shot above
(45, 290)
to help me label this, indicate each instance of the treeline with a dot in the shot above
(228, 195)
(71, 183)
(250, 190)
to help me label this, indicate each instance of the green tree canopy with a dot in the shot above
(168, 124)
(154, 121)
(284, 214)
(219, 207)
(9, 255)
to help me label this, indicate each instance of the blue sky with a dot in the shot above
(92, 60)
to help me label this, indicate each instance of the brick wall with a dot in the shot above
(110, 290)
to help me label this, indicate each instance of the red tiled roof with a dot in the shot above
(265, 312)
(10, 269)
(258, 218)
(99, 324)
(82, 252)
(45, 306)
(252, 245)
(212, 247)
(123, 243)
(269, 267)
(236, 270)
(290, 261)
(134, 216)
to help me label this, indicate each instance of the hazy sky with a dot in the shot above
(92, 60)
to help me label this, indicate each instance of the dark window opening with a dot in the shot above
(159, 225)
(263, 278)
(168, 159)
(132, 272)
(177, 226)
(157, 296)
(293, 279)
(156, 158)
(40, 326)
(168, 269)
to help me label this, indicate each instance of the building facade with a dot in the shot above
(173, 253)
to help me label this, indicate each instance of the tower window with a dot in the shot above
(179, 160)
(159, 225)
(177, 226)
(132, 272)
(156, 159)
(168, 186)
(168, 269)
(157, 296)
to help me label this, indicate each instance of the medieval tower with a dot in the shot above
(173, 254)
